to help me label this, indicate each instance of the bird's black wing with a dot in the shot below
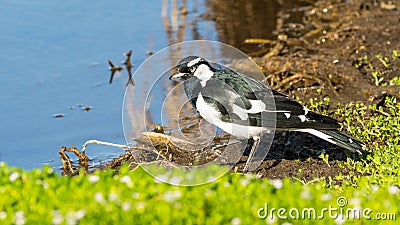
(243, 100)
(274, 105)
(299, 117)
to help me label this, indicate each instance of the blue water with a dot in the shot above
(53, 60)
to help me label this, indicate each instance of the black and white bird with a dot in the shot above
(245, 107)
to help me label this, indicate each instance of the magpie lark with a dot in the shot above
(245, 107)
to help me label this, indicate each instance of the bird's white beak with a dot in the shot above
(177, 75)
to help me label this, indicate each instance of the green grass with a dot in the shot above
(378, 128)
(41, 196)
(375, 70)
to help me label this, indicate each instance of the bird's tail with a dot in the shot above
(338, 138)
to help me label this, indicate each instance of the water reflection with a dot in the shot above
(238, 20)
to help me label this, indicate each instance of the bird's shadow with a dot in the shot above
(290, 145)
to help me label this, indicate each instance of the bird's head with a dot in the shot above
(187, 67)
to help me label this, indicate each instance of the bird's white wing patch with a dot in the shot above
(302, 118)
(242, 113)
(256, 106)
(318, 134)
(305, 110)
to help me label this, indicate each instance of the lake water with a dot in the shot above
(53, 60)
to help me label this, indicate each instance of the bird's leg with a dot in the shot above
(256, 141)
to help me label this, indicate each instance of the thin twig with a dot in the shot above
(295, 76)
(102, 143)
